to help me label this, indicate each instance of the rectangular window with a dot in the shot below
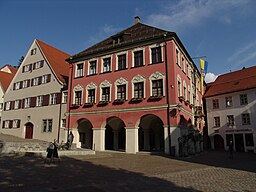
(228, 101)
(139, 90)
(249, 139)
(185, 93)
(7, 124)
(16, 123)
(106, 65)
(216, 121)
(47, 125)
(122, 62)
(26, 83)
(92, 67)
(78, 97)
(138, 58)
(7, 105)
(230, 120)
(157, 87)
(91, 96)
(243, 99)
(156, 55)
(16, 104)
(27, 68)
(39, 101)
(105, 94)
(1, 106)
(183, 63)
(63, 123)
(215, 104)
(80, 70)
(64, 97)
(121, 92)
(45, 79)
(17, 85)
(27, 103)
(33, 51)
(53, 98)
(177, 57)
(179, 89)
(35, 81)
(246, 119)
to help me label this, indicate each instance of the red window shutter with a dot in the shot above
(46, 100)
(42, 63)
(49, 78)
(23, 69)
(58, 98)
(22, 103)
(14, 86)
(40, 80)
(11, 124)
(18, 123)
(28, 83)
(32, 101)
(4, 106)
(21, 84)
(12, 105)
(34, 65)
(30, 67)
(32, 81)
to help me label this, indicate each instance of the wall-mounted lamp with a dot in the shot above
(28, 117)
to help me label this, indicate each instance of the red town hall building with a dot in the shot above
(136, 90)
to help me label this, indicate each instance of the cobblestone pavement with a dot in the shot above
(114, 171)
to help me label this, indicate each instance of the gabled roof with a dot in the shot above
(56, 59)
(232, 82)
(136, 33)
(12, 69)
(5, 79)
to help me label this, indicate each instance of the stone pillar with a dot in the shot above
(175, 134)
(98, 139)
(166, 140)
(115, 146)
(132, 139)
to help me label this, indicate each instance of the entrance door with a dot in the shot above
(29, 131)
(239, 142)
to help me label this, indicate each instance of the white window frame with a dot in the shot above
(7, 124)
(157, 76)
(17, 85)
(47, 129)
(79, 72)
(27, 102)
(53, 99)
(63, 123)
(119, 54)
(89, 65)
(16, 104)
(150, 52)
(135, 50)
(39, 101)
(139, 79)
(15, 123)
(106, 84)
(91, 86)
(179, 86)
(78, 88)
(7, 105)
(177, 54)
(121, 81)
(44, 79)
(35, 81)
(103, 69)
(25, 83)
(64, 97)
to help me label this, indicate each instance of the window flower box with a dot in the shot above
(191, 105)
(90, 104)
(74, 106)
(118, 101)
(136, 100)
(155, 98)
(103, 103)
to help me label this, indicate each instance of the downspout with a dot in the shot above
(167, 95)
(69, 98)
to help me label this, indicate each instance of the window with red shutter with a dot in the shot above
(49, 78)
(3, 124)
(10, 123)
(18, 123)
(58, 98)
(33, 102)
(42, 63)
(46, 100)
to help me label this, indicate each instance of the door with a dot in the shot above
(239, 142)
(29, 131)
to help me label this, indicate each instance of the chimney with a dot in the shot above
(136, 19)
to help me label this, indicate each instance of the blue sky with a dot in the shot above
(222, 30)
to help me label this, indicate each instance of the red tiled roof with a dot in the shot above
(231, 82)
(5, 79)
(11, 68)
(56, 59)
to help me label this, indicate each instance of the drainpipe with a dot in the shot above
(58, 139)
(70, 97)
(167, 94)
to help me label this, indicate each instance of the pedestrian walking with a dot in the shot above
(55, 151)
(50, 151)
(70, 139)
(231, 149)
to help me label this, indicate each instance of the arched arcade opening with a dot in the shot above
(151, 133)
(85, 133)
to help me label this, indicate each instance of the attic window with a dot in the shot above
(117, 40)
(33, 51)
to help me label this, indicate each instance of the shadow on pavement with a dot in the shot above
(240, 161)
(29, 173)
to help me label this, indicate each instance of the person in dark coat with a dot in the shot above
(70, 139)
(231, 149)
(55, 150)
(50, 151)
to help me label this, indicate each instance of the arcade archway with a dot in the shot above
(85, 133)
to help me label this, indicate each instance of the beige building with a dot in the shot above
(35, 101)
